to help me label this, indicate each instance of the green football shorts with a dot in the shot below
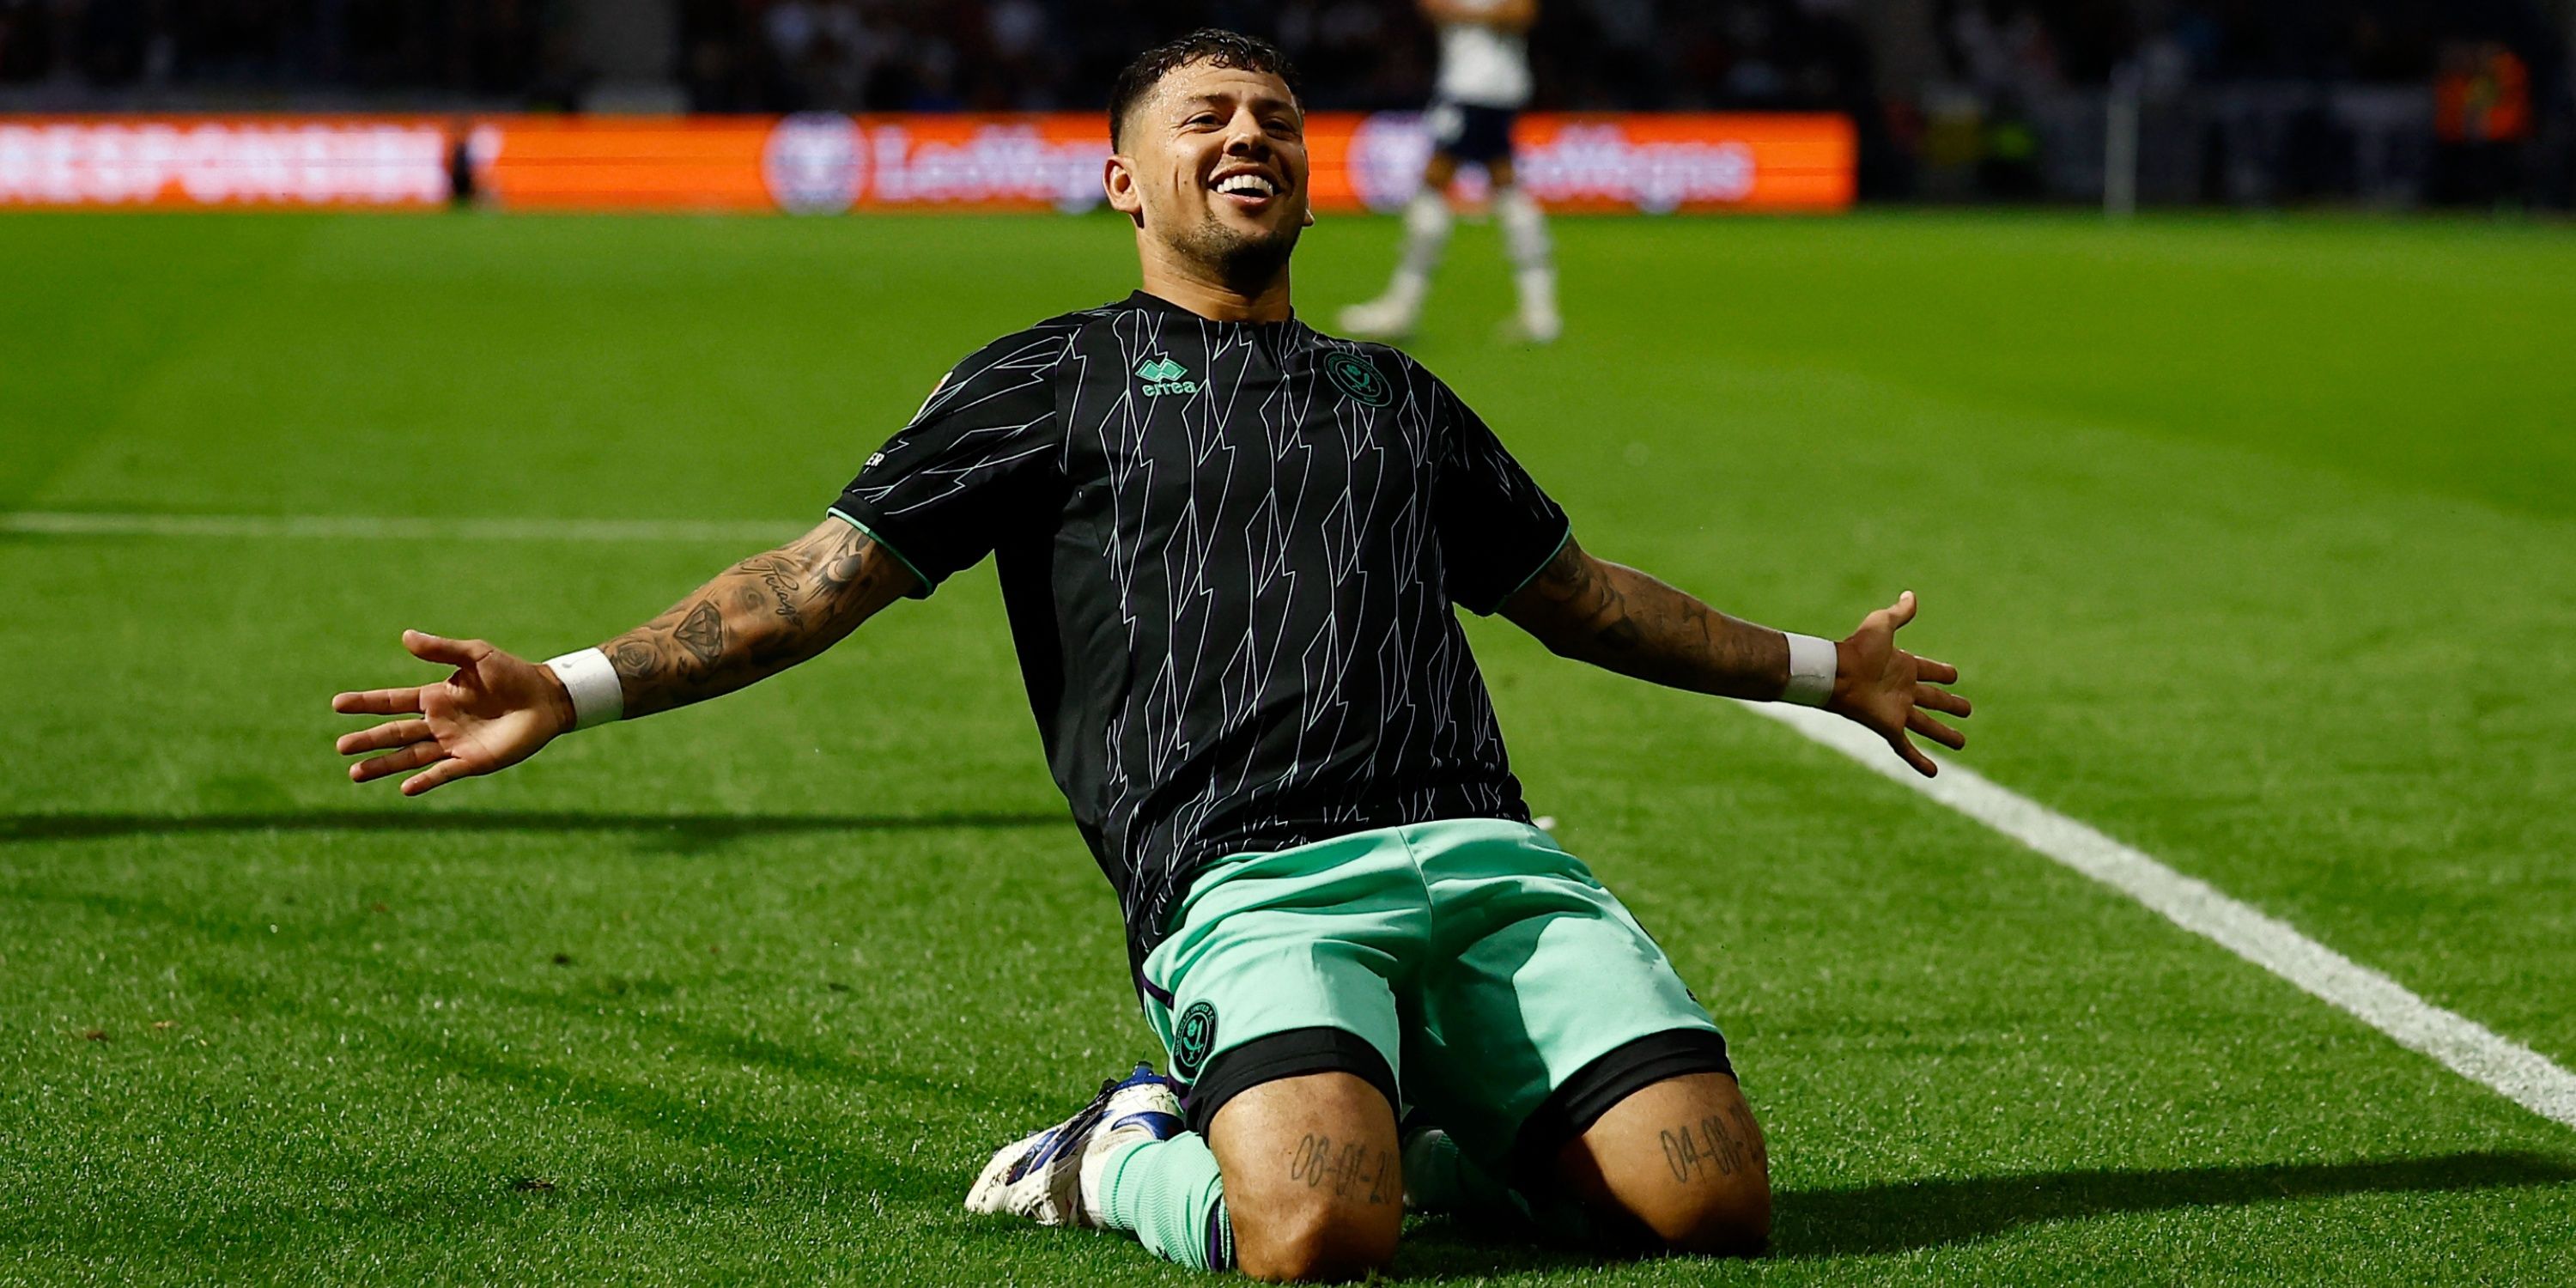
(1471, 968)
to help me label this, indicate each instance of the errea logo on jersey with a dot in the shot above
(1164, 376)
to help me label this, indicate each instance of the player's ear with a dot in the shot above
(1118, 179)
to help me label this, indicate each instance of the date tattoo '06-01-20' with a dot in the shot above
(1350, 1169)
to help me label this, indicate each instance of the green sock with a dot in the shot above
(1439, 1177)
(1558, 1218)
(1170, 1193)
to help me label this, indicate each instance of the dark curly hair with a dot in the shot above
(1211, 45)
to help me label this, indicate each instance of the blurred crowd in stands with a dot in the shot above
(1353, 53)
(1901, 68)
(2252, 101)
(2031, 45)
(493, 50)
(785, 55)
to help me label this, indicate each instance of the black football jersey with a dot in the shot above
(1230, 554)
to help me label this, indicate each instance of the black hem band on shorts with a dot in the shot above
(1613, 1076)
(1290, 1053)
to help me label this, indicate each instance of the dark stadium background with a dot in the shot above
(2244, 102)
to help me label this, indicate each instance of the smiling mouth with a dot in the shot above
(1247, 188)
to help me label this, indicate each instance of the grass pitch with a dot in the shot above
(2254, 540)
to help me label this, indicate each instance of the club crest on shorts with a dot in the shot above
(1192, 1038)
(1360, 378)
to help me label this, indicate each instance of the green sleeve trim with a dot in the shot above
(1523, 584)
(908, 566)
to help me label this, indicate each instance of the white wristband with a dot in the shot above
(1812, 664)
(597, 695)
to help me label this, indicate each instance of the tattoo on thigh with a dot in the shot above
(1708, 1147)
(1351, 1169)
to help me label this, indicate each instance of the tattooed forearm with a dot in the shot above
(1350, 1169)
(759, 617)
(781, 581)
(702, 634)
(1621, 619)
(636, 660)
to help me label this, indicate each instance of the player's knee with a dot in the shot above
(1732, 1219)
(1319, 1242)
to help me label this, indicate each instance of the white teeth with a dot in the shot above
(1253, 184)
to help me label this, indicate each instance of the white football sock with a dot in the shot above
(1426, 234)
(1525, 240)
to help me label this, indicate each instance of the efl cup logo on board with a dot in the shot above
(1388, 151)
(814, 163)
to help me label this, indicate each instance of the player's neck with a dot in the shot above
(1218, 301)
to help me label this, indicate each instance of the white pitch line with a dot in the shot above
(2470, 1049)
(376, 528)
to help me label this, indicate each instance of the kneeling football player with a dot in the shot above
(1232, 549)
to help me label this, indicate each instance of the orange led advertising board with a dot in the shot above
(826, 163)
(223, 161)
(821, 162)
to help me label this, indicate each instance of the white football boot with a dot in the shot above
(1388, 317)
(1534, 326)
(1537, 321)
(1054, 1177)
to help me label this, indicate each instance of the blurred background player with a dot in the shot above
(1484, 83)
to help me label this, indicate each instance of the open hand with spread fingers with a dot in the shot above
(493, 712)
(1889, 691)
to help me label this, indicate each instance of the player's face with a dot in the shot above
(1215, 168)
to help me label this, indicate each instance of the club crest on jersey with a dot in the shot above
(1164, 376)
(1360, 379)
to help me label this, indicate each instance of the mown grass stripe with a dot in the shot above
(357, 527)
(2466, 1047)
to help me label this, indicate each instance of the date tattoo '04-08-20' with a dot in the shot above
(1709, 1147)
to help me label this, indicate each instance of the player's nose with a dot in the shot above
(1245, 137)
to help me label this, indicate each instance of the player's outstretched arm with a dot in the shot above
(1620, 619)
(758, 618)
(755, 619)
